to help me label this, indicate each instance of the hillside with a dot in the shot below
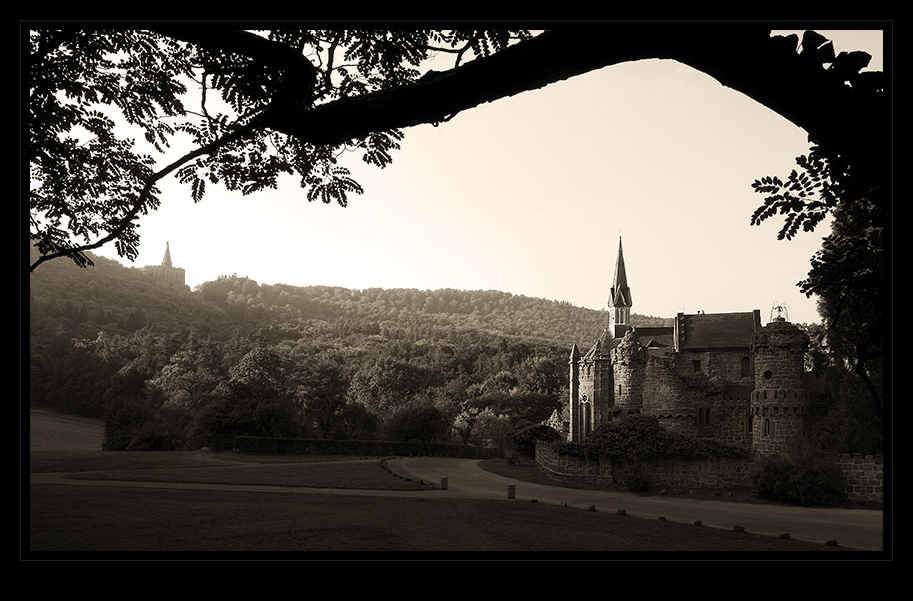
(168, 369)
(112, 297)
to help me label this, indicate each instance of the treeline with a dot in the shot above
(171, 369)
(178, 369)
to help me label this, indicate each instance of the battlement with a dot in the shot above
(772, 398)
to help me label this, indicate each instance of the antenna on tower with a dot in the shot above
(778, 312)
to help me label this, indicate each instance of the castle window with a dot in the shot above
(746, 367)
(768, 430)
(768, 374)
(696, 364)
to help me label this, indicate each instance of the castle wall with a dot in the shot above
(168, 276)
(864, 474)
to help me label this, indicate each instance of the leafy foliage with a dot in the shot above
(92, 93)
(635, 438)
(808, 478)
(524, 439)
(805, 198)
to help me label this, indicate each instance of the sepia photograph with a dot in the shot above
(590, 290)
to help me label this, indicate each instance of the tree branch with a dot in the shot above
(143, 198)
(740, 57)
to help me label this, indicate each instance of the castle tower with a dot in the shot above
(167, 274)
(166, 261)
(629, 360)
(619, 299)
(778, 403)
(590, 387)
(574, 413)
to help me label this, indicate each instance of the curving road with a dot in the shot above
(855, 528)
(858, 529)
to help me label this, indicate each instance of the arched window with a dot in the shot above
(767, 431)
(746, 367)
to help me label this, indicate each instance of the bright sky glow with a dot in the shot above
(530, 194)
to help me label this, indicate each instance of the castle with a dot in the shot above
(718, 375)
(167, 274)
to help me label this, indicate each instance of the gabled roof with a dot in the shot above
(603, 345)
(655, 336)
(716, 330)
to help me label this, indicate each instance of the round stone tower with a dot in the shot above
(629, 360)
(779, 404)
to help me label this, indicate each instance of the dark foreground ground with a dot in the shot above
(87, 521)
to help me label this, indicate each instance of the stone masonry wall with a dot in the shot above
(864, 473)
(864, 476)
(561, 467)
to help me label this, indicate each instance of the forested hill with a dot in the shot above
(115, 298)
(109, 340)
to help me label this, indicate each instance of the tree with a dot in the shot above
(386, 384)
(192, 375)
(322, 386)
(257, 400)
(286, 102)
(852, 187)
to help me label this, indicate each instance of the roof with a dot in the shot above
(655, 336)
(620, 294)
(716, 330)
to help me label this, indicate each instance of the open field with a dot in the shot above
(63, 520)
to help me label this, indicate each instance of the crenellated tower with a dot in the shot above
(779, 403)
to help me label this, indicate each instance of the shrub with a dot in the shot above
(633, 476)
(572, 449)
(523, 440)
(808, 478)
(417, 422)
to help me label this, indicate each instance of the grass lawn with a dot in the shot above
(70, 519)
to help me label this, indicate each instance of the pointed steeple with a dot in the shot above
(620, 295)
(619, 298)
(166, 262)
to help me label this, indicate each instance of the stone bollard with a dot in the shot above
(444, 483)
(511, 491)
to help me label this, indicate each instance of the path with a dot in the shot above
(856, 528)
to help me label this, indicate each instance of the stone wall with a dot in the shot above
(864, 473)
(564, 468)
(864, 476)
(713, 472)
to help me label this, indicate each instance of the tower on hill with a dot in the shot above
(167, 274)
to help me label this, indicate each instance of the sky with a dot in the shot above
(530, 195)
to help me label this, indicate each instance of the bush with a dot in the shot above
(523, 440)
(633, 476)
(417, 422)
(807, 479)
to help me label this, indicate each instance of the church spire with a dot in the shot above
(620, 293)
(166, 262)
(619, 298)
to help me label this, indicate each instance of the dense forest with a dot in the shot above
(174, 369)
(185, 369)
